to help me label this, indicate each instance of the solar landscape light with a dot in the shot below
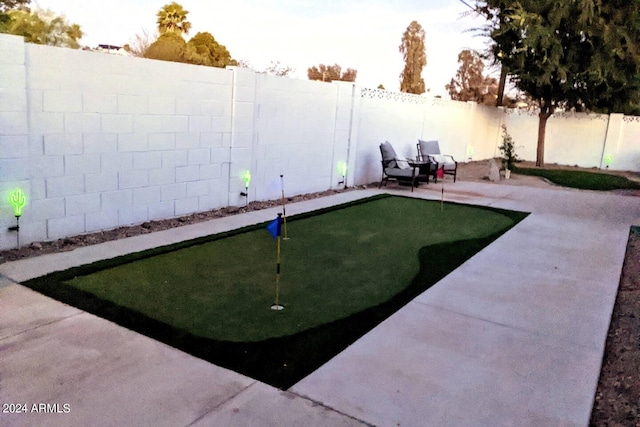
(246, 177)
(342, 169)
(18, 200)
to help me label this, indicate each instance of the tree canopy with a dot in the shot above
(470, 84)
(569, 54)
(415, 59)
(6, 6)
(168, 47)
(173, 18)
(42, 27)
(329, 73)
(202, 49)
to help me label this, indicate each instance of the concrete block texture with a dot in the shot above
(187, 173)
(133, 104)
(147, 195)
(14, 147)
(60, 144)
(14, 98)
(162, 141)
(147, 160)
(81, 164)
(12, 50)
(117, 123)
(59, 228)
(14, 123)
(104, 103)
(43, 209)
(117, 199)
(102, 181)
(82, 122)
(172, 192)
(133, 179)
(133, 142)
(99, 142)
(65, 186)
(187, 206)
(62, 101)
(102, 220)
(82, 204)
(132, 215)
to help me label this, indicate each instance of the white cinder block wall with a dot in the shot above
(98, 141)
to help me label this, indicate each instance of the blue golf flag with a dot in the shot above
(275, 227)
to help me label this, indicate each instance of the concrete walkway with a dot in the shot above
(514, 336)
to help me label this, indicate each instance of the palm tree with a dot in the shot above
(173, 18)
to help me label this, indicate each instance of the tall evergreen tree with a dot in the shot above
(173, 18)
(570, 54)
(415, 59)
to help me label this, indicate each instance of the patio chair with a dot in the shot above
(394, 167)
(431, 150)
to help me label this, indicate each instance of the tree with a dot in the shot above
(173, 18)
(470, 84)
(168, 47)
(203, 49)
(6, 6)
(415, 59)
(329, 73)
(43, 27)
(579, 55)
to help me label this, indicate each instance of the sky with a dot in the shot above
(360, 34)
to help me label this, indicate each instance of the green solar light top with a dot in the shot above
(247, 178)
(18, 200)
(342, 168)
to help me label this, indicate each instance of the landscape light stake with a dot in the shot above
(342, 169)
(18, 200)
(284, 209)
(247, 180)
(440, 174)
(277, 234)
(608, 160)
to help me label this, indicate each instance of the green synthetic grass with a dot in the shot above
(581, 179)
(342, 272)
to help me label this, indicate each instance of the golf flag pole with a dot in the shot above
(275, 229)
(284, 209)
(440, 174)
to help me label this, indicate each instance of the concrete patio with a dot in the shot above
(514, 336)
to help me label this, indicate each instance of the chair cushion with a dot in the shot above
(388, 154)
(399, 173)
(391, 158)
(443, 160)
(429, 147)
(402, 164)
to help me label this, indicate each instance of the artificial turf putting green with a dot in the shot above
(344, 270)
